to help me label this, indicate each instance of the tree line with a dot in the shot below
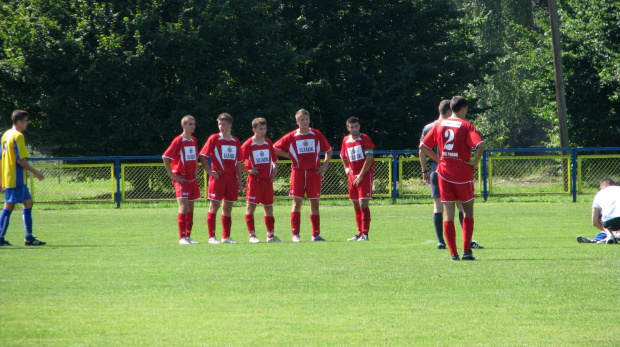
(115, 77)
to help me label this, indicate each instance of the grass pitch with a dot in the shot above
(118, 277)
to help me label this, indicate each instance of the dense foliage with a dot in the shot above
(114, 77)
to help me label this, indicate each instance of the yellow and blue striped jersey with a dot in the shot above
(13, 148)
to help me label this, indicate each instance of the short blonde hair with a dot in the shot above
(186, 118)
(301, 112)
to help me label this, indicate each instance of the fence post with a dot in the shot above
(117, 174)
(394, 175)
(485, 175)
(573, 159)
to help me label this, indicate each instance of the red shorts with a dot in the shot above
(224, 188)
(305, 183)
(259, 191)
(363, 190)
(452, 192)
(187, 190)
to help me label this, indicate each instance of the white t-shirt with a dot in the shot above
(608, 201)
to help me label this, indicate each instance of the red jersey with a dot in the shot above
(183, 154)
(303, 149)
(356, 151)
(455, 139)
(223, 153)
(260, 156)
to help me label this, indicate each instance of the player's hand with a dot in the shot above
(321, 169)
(177, 178)
(254, 171)
(39, 176)
(474, 165)
(357, 180)
(347, 171)
(214, 174)
(426, 177)
(240, 183)
(1, 189)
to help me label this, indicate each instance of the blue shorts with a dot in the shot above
(17, 195)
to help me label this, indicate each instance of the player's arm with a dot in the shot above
(282, 153)
(168, 166)
(326, 159)
(240, 168)
(205, 165)
(596, 219)
(23, 163)
(367, 164)
(426, 173)
(479, 152)
(345, 163)
(428, 152)
(274, 171)
(1, 175)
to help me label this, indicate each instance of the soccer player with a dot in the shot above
(303, 146)
(358, 161)
(261, 167)
(224, 176)
(181, 162)
(14, 181)
(430, 176)
(606, 209)
(455, 138)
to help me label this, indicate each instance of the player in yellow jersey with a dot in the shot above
(13, 175)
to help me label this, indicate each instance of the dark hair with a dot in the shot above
(225, 117)
(457, 103)
(606, 182)
(19, 115)
(352, 120)
(444, 107)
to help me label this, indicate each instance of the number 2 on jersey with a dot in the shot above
(449, 144)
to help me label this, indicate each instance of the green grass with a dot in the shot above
(117, 277)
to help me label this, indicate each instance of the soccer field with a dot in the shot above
(118, 278)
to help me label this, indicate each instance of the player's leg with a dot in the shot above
(298, 182)
(459, 205)
(358, 218)
(313, 192)
(5, 218)
(182, 220)
(249, 221)
(449, 229)
(214, 206)
(215, 194)
(364, 206)
(29, 240)
(227, 221)
(467, 196)
(296, 217)
(315, 220)
(193, 196)
(437, 210)
(270, 223)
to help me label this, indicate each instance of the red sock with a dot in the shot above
(270, 223)
(358, 220)
(211, 224)
(315, 220)
(468, 232)
(249, 222)
(189, 223)
(226, 225)
(365, 220)
(295, 222)
(450, 233)
(181, 224)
